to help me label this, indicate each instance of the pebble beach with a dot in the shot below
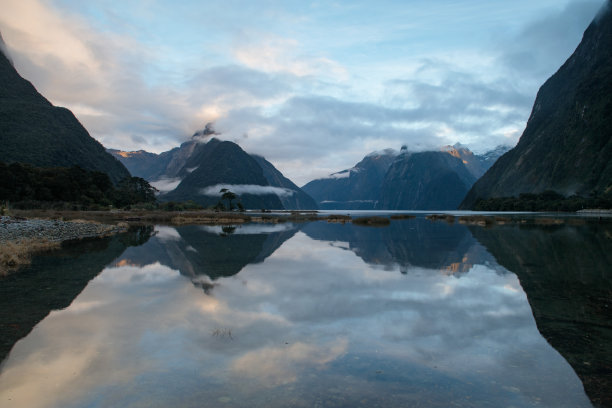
(19, 229)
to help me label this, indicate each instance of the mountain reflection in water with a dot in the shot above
(298, 315)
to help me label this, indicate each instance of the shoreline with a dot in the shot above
(27, 232)
(21, 238)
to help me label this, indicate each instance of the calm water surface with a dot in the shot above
(418, 314)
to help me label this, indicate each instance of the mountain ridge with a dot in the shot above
(567, 145)
(369, 185)
(34, 131)
(188, 170)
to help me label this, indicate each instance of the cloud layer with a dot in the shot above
(215, 191)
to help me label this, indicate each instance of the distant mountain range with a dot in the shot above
(567, 144)
(201, 167)
(405, 180)
(34, 131)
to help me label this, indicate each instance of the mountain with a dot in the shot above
(299, 200)
(357, 188)
(141, 163)
(171, 172)
(567, 145)
(152, 166)
(386, 180)
(426, 181)
(223, 164)
(476, 164)
(34, 131)
(489, 158)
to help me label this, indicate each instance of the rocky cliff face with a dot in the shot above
(34, 131)
(567, 144)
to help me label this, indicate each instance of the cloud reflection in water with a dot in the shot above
(309, 317)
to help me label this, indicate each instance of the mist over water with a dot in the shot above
(415, 314)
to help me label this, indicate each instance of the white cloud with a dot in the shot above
(250, 229)
(166, 184)
(239, 189)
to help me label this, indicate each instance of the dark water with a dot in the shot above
(417, 314)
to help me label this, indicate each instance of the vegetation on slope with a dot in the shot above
(26, 186)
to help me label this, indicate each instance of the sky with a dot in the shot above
(313, 86)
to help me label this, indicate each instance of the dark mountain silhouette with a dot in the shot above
(34, 131)
(567, 144)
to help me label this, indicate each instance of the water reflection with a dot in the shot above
(295, 321)
(409, 243)
(565, 271)
(53, 280)
(213, 251)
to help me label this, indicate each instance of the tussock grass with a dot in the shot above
(402, 216)
(480, 220)
(338, 218)
(441, 217)
(548, 221)
(373, 221)
(211, 218)
(14, 254)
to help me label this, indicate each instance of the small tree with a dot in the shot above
(229, 196)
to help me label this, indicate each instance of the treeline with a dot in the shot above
(546, 201)
(25, 186)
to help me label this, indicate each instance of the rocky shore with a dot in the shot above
(21, 237)
(19, 229)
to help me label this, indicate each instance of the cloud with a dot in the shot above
(253, 189)
(277, 54)
(250, 229)
(544, 44)
(274, 366)
(166, 184)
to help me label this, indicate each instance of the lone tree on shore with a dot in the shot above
(229, 196)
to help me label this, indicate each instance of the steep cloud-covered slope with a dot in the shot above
(299, 200)
(357, 188)
(390, 181)
(567, 144)
(426, 181)
(34, 131)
